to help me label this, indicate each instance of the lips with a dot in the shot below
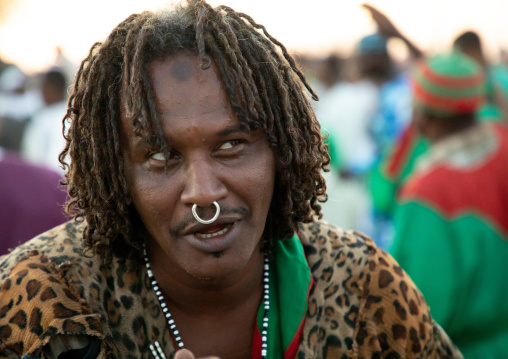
(213, 231)
(213, 238)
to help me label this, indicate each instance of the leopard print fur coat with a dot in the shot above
(362, 304)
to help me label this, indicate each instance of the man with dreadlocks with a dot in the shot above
(195, 175)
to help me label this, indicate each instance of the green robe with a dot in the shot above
(452, 237)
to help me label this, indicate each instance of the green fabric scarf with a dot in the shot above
(290, 280)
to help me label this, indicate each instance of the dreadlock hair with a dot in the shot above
(265, 89)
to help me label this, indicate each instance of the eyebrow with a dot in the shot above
(142, 143)
(234, 129)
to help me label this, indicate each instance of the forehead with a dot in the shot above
(180, 69)
(187, 95)
(181, 76)
(180, 84)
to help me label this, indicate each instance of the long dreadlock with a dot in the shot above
(265, 90)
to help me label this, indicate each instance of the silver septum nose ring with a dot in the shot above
(194, 213)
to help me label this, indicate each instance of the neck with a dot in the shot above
(217, 318)
(198, 296)
(437, 129)
(438, 137)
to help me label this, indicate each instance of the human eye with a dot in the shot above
(158, 156)
(231, 144)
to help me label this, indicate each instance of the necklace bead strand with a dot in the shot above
(160, 297)
(266, 298)
(171, 322)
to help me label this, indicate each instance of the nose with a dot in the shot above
(203, 185)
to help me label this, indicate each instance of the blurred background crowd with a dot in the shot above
(366, 110)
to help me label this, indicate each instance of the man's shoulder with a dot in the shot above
(361, 293)
(345, 253)
(449, 176)
(38, 298)
(331, 248)
(319, 236)
(463, 153)
(59, 244)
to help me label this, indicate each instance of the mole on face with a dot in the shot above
(182, 70)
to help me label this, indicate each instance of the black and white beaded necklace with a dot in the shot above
(156, 348)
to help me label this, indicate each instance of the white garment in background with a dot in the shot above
(43, 140)
(345, 112)
(348, 203)
(20, 106)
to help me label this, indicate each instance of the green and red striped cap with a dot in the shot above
(448, 85)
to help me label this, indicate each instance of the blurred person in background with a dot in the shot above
(19, 100)
(343, 111)
(496, 106)
(451, 223)
(393, 111)
(42, 139)
(391, 117)
(398, 143)
(388, 125)
(503, 57)
(323, 73)
(3, 65)
(31, 200)
(449, 233)
(362, 116)
(397, 164)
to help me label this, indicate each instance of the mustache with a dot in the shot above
(177, 229)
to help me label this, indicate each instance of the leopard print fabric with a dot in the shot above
(361, 306)
(32, 310)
